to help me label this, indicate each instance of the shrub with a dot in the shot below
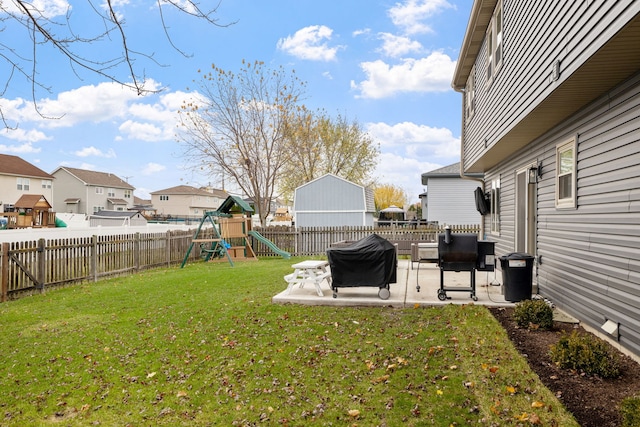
(630, 412)
(533, 314)
(585, 353)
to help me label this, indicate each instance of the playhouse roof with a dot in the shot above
(230, 201)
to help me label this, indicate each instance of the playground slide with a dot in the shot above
(270, 244)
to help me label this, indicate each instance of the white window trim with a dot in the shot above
(495, 43)
(470, 93)
(495, 207)
(99, 190)
(571, 201)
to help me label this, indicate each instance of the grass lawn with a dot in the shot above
(204, 345)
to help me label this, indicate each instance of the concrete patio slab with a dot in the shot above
(404, 292)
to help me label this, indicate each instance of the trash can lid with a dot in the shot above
(516, 255)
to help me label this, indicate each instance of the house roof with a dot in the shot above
(14, 165)
(187, 190)
(98, 179)
(30, 201)
(451, 171)
(117, 201)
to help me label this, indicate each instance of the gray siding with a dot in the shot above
(590, 255)
(451, 201)
(331, 201)
(537, 34)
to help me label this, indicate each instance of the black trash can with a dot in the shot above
(517, 276)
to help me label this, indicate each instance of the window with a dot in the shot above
(495, 206)
(494, 42)
(111, 192)
(46, 183)
(470, 94)
(99, 190)
(23, 184)
(566, 174)
(98, 209)
(127, 194)
(164, 197)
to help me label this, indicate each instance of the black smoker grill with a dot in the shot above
(371, 262)
(463, 252)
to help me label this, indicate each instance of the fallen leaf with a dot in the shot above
(354, 413)
(537, 404)
(151, 374)
(493, 369)
(534, 419)
(182, 393)
(439, 392)
(511, 389)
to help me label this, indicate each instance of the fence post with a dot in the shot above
(136, 252)
(5, 271)
(168, 248)
(94, 257)
(41, 265)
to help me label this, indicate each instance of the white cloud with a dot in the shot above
(404, 172)
(47, 8)
(19, 149)
(409, 150)
(95, 152)
(416, 141)
(398, 46)
(430, 74)
(152, 168)
(410, 14)
(19, 134)
(310, 43)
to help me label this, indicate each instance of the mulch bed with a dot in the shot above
(592, 400)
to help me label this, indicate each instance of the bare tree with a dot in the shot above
(49, 25)
(238, 127)
(321, 144)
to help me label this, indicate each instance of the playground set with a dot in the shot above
(231, 228)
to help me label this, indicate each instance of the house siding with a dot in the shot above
(451, 201)
(568, 32)
(590, 256)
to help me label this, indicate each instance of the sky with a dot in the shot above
(386, 64)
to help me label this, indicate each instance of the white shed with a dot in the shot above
(331, 201)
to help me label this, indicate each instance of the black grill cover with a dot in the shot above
(368, 262)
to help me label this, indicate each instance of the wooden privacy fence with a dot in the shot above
(36, 264)
(314, 241)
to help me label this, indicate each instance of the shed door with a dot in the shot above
(525, 214)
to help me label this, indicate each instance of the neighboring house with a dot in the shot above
(551, 97)
(423, 204)
(144, 206)
(117, 219)
(449, 198)
(18, 178)
(331, 201)
(185, 200)
(81, 191)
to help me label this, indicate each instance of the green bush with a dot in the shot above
(630, 412)
(585, 353)
(533, 314)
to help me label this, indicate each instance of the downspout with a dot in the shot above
(462, 134)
